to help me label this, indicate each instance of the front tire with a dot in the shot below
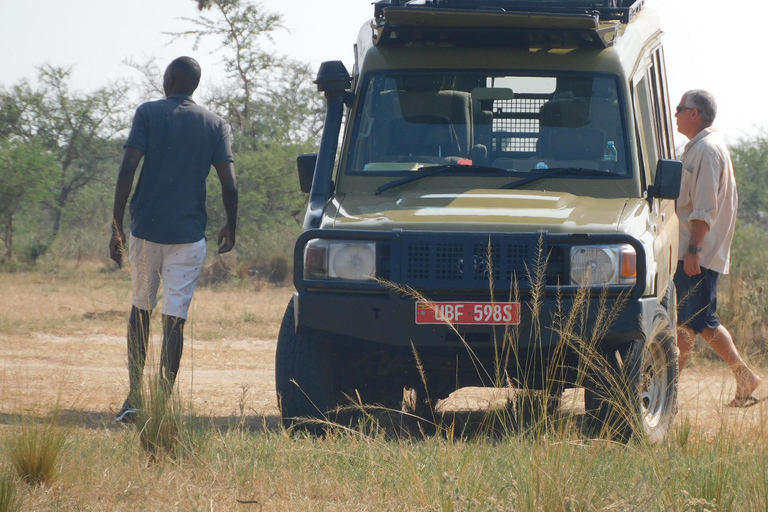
(304, 376)
(636, 393)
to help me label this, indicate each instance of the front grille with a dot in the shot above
(417, 261)
(439, 260)
(462, 264)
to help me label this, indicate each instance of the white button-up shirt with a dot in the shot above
(708, 193)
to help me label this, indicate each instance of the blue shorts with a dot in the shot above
(696, 299)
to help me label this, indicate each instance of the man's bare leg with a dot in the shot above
(722, 343)
(686, 340)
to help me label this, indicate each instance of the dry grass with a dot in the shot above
(64, 331)
(236, 457)
(9, 500)
(88, 299)
(107, 470)
(34, 449)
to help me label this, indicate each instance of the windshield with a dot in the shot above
(488, 122)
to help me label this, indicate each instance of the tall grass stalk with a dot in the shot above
(535, 409)
(10, 501)
(34, 449)
(160, 422)
(165, 429)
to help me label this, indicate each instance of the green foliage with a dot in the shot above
(270, 202)
(742, 304)
(27, 177)
(750, 162)
(268, 99)
(77, 129)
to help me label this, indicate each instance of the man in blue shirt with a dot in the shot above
(179, 142)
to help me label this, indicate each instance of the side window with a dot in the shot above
(645, 125)
(660, 103)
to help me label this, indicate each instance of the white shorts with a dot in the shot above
(178, 264)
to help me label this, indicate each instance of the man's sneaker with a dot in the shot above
(127, 413)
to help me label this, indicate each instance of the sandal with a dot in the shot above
(743, 401)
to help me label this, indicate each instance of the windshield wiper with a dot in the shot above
(556, 171)
(439, 169)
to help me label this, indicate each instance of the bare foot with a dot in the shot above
(746, 381)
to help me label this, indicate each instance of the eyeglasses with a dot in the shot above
(681, 108)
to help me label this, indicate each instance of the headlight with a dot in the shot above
(603, 264)
(339, 259)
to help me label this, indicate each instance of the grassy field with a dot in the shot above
(63, 374)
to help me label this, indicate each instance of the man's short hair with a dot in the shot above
(704, 102)
(188, 70)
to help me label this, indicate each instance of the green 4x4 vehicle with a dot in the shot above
(497, 210)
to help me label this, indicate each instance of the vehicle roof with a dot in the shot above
(620, 56)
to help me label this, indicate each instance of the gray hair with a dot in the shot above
(704, 102)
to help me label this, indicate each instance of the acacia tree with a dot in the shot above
(75, 128)
(27, 175)
(268, 97)
(275, 112)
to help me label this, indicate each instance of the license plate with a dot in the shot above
(468, 313)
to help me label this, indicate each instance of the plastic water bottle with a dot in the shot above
(610, 157)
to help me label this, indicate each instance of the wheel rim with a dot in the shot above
(654, 385)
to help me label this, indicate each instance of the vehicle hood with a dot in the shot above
(484, 210)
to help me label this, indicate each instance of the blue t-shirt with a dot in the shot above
(180, 141)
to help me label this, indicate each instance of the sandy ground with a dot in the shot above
(231, 379)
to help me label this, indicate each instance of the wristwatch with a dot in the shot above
(693, 249)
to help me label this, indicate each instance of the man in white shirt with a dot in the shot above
(707, 211)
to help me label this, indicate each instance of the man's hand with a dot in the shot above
(128, 165)
(117, 246)
(226, 172)
(226, 239)
(692, 264)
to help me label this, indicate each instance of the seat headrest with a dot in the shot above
(565, 113)
(576, 144)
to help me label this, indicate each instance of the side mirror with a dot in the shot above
(306, 166)
(667, 182)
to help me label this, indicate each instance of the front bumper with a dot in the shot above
(389, 320)
(457, 266)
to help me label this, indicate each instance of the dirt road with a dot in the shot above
(231, 379)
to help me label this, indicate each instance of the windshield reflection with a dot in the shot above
(412, 122)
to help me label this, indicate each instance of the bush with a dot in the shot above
(742, 304)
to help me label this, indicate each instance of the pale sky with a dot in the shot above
(707, 46)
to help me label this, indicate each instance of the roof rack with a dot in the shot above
(556, 23)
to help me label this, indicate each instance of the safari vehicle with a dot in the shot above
(505, 173)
